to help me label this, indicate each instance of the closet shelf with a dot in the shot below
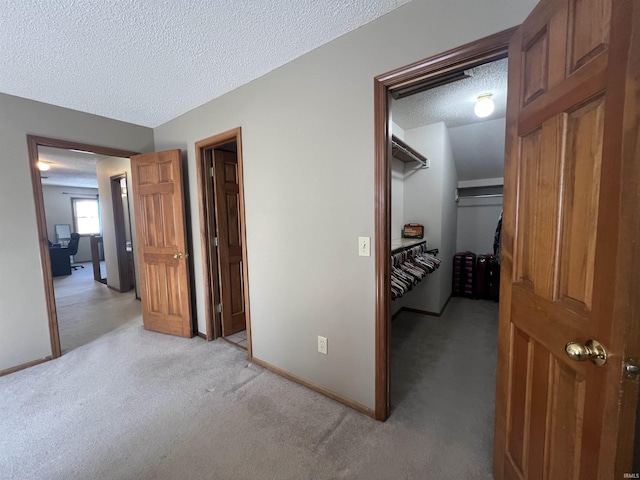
(399, 244)
(406, 154)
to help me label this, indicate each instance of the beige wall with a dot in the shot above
(57, 207)
(397, 189)
(24, 330)
(429, 199)
(308, 155)
(449, 222)
(477, 222)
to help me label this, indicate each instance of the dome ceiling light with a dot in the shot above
(485, 106)
(43, 166)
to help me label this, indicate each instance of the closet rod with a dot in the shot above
(488, 195)
(395, 144)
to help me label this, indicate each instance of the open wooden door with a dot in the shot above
(162, 245)
(571, 268)
(230, 267)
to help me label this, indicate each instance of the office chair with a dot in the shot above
(72, 248)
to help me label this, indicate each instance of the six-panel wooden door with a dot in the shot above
(568, 259)
(230, 265)
(162, 242)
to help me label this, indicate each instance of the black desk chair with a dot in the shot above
(72, 248)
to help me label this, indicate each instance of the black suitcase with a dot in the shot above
(493, 278)
(481, 290)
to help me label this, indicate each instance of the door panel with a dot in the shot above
(582, 190)
(230, 266)
(557, 418)
(589, 30)
(535, 67)
(159, 206)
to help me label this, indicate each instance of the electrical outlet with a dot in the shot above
(364, 246)
(322, 344)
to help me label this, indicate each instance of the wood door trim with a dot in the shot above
(207, 226)
(209, 263)
(627, 277)
(33, 142)
(491, 48)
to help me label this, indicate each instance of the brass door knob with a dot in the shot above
(178, 255)
(592, 350)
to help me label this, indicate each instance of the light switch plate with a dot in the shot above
(364, 246)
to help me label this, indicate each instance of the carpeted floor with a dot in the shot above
(79, 297)
(133, 404)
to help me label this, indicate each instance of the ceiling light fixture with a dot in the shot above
(485, 106)
(44, 166)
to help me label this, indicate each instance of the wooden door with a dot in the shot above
(570, 266)
(162, 245)
(230, 267)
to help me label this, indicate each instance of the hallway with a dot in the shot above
(88, 309)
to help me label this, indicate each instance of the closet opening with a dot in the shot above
(422, 221)
(222, 220)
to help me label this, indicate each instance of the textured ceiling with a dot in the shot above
(147, 62)
(453, 103)
(478, 149)
(69, 168)
(477, 143)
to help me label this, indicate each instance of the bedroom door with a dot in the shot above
(230, 258)
(162, 242)
(565, 406)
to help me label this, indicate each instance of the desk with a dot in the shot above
(60, 261)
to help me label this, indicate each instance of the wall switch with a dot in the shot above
(322, 344)
(364, 246)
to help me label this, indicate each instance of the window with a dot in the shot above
(86, 216)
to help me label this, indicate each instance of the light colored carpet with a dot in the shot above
(134, 404)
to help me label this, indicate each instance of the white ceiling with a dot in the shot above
(453, 103)
(69, 168)
(147, 62)
(477, 143)
(478, 149)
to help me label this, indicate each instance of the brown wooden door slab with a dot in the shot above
(230, 267)
(162, 246)
(569, 264)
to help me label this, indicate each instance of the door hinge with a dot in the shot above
(213, 171)
(215, 241)
(219, 308)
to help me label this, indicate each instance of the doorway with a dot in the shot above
(442, 155)
(34, 144)
(223, 238)
(428, 74)
(123, 232)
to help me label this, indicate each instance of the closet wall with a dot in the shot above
(428, 197)
(397, 189)
(477, 222)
